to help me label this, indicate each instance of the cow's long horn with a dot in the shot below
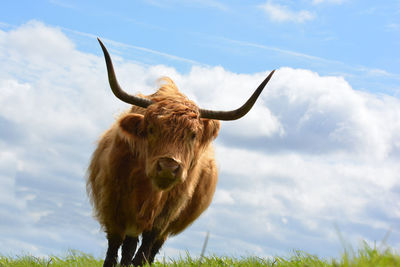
(117, 90)
(237, 113)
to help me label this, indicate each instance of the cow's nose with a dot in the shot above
(168, 164)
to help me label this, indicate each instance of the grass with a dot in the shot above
(366, 256)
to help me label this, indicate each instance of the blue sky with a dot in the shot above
(317, 155)
(358, 39)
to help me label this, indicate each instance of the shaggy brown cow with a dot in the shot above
(153, 172)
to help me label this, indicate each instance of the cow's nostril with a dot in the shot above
(158, 166)
(168, 164)
(176, 169)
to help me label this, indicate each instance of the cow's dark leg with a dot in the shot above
(156, 247)
(128, 250)
(114, 242)
(143, 254)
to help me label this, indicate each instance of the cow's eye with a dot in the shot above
(193, 136)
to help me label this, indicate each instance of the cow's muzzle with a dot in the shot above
(168, 172)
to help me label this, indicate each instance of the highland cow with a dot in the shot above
(153, 172)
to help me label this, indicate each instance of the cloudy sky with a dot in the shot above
(314, 166)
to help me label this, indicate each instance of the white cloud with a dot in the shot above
(223, 197)
(312, 153)
(281, 13)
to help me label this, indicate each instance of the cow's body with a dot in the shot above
(153, 172)
(125, 198)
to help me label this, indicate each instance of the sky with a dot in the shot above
(313, 166)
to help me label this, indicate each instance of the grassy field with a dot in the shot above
(364, 257)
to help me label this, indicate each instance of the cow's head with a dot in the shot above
(172, 135)
(173, 130)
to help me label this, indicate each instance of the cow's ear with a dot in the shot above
(211, 129)
(132, 125)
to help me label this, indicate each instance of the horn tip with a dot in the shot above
(270, 75)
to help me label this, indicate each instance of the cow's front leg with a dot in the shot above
(114, 242)
(143, 253)
(155, 248)
(128, 250)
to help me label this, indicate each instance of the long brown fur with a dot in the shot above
(126, 200)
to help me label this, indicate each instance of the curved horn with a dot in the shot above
(118, 92)
(237, 113)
